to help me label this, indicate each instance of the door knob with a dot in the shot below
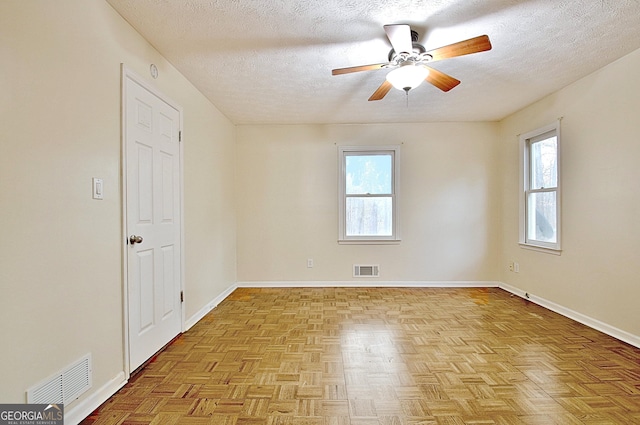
(133, 239)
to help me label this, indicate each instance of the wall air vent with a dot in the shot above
(63, 387)
(366, 270)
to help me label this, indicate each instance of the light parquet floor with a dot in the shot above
(383, 356)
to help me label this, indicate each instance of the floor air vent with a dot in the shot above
(63, 387)
(361, 270)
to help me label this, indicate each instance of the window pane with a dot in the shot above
(369, 216)
(542, 217)
(544, 167)
(368, 174)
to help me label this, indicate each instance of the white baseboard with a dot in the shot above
(612, 331)
(77, 413)
(368, 283)
(207, 308)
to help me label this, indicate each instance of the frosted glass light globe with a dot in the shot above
(408, 76)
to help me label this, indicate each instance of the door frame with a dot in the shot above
(127, 73)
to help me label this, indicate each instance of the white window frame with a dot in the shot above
(395, 196)
(525, 188)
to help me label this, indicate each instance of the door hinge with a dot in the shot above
(180, 136)
(181, 296)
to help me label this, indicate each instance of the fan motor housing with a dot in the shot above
(418, 49)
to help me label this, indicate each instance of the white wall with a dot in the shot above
(598, 273)
(60, 255)
(288, 211)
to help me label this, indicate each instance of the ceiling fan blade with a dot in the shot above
(461, 48)
(382, 91)
(400, 37)
(441, 80)
(351, 69)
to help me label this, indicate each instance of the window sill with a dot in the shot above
(369, 241)
(543, 249)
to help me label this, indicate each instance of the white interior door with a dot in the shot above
(152, 157)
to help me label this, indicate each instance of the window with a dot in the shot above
(540, 194)
(368, 194)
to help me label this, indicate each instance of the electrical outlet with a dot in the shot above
(516, 267)
(309, 263)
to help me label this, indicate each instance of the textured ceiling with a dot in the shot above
(270, 61)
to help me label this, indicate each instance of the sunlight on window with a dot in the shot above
(540, 200)
(369, 207)
(369, 216)
(368, 174)
(542, 205)
(544, 170)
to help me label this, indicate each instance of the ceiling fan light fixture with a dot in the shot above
(409, 60)
(408, 76)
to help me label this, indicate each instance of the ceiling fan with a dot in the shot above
(410, 59)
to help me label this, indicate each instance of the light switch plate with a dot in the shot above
(98, 188)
